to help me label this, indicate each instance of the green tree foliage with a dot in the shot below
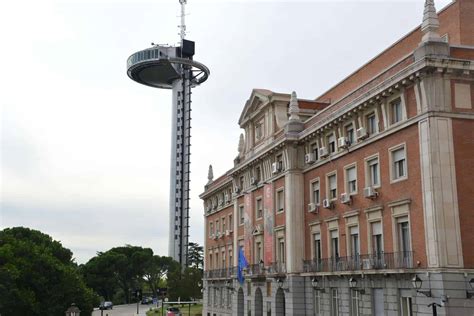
(195, 256)
(156, 268)
(38, 276)
(121, 268)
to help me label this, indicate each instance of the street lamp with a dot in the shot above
(315, 285)
(417, 283)
(353, 285)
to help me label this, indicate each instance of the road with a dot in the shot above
(123, 310)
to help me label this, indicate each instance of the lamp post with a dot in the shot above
(417, 283)
(315, 285)
(353, 285)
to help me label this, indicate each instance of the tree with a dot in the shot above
(38, 276)
(120, 267)
(156, 268)
(195, 256)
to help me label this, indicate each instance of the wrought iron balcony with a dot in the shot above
(276, 268)
(378, 261)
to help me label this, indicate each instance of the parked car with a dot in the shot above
(147, 300)
(173, 311)
(106, 305)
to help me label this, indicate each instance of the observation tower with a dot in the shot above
(173, 67)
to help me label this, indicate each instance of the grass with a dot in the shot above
(195, 310)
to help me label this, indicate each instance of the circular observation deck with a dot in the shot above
(158, 67)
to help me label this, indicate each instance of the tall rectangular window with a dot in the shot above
(258, 252)
(377, 241)
(399, 164)
(350, 133)
(371, 122)
(281, 250)
(218, 228)
(241, 215)
(259, 208)
(378, 302)
(406, 306)
(231, 222)
(354, 232)
(334, 244)
(317, 247)
(314, 150)
(334, 302)
(355, 302)
(315, 192)
(231, 262)
(331, 139)
(211, 229)
(280, 200)
(223, 225)
(373, 172)
(241, 183)
(332, 186)
(396, 111)
(258, 174)
(351, 178)
(317, 302)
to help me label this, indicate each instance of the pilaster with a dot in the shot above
(439, 193)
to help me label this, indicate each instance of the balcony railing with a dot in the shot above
(276, 268)
(255, 269)
(395, 260)
(224, 273)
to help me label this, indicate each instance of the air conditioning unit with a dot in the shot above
(253, 180)
(213, 236)
(276, 167)
(309, 158)
(343, 142)
(228, 232)
(327, 203)
(323, 152)
(361, 133)
(345, 198)
(370, 193)
(313, 208)
(367, 264)
(218, 235)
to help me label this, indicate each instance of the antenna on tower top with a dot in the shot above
(182, 27)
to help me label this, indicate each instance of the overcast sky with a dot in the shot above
(85, 150)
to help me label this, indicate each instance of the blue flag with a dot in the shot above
(242, 264)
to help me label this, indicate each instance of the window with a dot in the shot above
(259, 208)
(218, 227)
(350, 133)
(373, 172)
(331, 139)
(315, 192)
(280, 201)
(355, 302)
(317, 302)
(259, 130)
(230, 258)
(317, 247)
(399, 164)
(351, 180)
(281, 250)
(217, 260)
(241, 215)
(269, 308)
(334, 302)
(258, 252)
(406, 306)
(371, 121)
(210, 261)
(241, 182)
(231, 222)
(377, 243)
(404, 244)
(314, 150)
(211, 229)
(223, 260)
(334, 244)
(395, 111)
(332, 187)
(223, 225)
(354, 241)
(258, 174)
(222, 297)
(378, 302)
(215, 297)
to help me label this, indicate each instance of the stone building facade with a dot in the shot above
(359, 202)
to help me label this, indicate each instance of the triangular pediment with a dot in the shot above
(257, 98)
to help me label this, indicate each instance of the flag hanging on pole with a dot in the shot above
(242, 264)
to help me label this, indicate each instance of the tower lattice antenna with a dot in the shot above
(182, 27)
